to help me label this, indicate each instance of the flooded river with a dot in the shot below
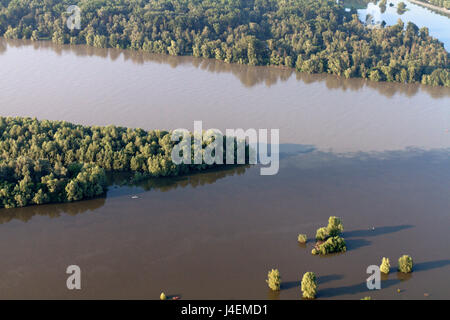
(375, 154)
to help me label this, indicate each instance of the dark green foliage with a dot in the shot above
(55, 161)
(331, 245)
(322, 234)
(311, 35)
(405, 264)
(437, 77)
(25, 182)
(328, 238)
(334, 228)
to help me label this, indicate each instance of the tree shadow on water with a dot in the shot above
(360, 288)
(353, 244)
(376, 232)
(320, 280)
(429, 265)
(329, 278)
(289, 285)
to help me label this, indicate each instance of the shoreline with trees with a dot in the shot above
(56, 161)
(437, 5)
(310, 36)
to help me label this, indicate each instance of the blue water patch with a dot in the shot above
(438, 24)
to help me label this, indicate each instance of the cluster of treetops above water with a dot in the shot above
(56, 161)
(309, 283)
(24, 181)
(312, 36)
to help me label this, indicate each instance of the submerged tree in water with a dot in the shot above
(401, 8)
(331, 245)
(322, 234)
(385, 266)
(328, 238)
(309, 285)
(335, 226)
(405, 264)
(302, 238)
(274, 279)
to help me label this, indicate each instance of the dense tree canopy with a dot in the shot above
(56, 161)
(313, 36)
(24, 181)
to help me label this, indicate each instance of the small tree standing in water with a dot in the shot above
(401, 7)
(321, 234)
(385, 265)
(302, 238)
(274, 279)
(332, 245)
(405, 264)
(335, 226)
(333, 229)
(309, 285)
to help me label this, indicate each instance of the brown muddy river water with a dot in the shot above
(377, 155)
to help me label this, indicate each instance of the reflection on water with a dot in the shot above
(292, 157)
(91, 86)
(248, 75)
(119, 179)
(438, 24)
(167, 184)
(218, 241)
(3, 46)
(50, 210)
(344, 152)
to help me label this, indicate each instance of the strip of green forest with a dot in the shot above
(312, 36)
(56, 161)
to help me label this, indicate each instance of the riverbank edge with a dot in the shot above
(417, 83)
(431, 6)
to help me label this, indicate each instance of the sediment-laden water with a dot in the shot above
(375, 154)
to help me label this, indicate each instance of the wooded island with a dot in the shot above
(56, 161)
(313, 36)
